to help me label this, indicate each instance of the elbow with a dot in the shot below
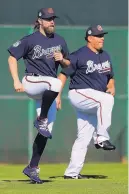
(62, 77)
(67, 63)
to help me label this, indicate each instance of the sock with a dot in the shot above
(38, 148)
(47, 100)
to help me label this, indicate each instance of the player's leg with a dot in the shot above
(51, 113)
(40, 141)
(99, 103)
(85, 127)
(39, 144)
(47, 88)
(104, 115)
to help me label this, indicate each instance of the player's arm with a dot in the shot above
(13, 67)
(110, 77)
(64, 62)
(17, 51)
(111, 87)
(58, 56)
(63, 79)
(62, 56)
(65, 73)
(111, 82)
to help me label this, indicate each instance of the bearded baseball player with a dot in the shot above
(91, 93)
(43, 52)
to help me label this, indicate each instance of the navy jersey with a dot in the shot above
(89, 69)
(37, 52)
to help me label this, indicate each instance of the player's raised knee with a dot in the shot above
(56, 85)
(59, 83)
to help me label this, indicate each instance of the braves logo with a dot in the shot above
(100, 67)
(39, 51)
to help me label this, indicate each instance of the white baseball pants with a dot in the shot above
(94, 111)
(35, 86)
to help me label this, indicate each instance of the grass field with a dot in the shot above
(103, 179)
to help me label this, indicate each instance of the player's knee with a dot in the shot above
(56, 85)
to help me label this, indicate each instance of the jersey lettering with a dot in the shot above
(100, 67)
(39, 51)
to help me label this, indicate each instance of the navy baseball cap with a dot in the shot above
(95, 31)
(45, 13)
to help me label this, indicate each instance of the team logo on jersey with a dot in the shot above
(39, 51)
(16, 44)
(100, 67)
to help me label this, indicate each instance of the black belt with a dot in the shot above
(32, 74)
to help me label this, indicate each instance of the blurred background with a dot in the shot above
(17, 111)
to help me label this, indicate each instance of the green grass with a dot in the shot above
(12, 181)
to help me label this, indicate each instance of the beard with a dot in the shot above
(49, 30)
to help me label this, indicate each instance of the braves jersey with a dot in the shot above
(89, 69)
(37, 52)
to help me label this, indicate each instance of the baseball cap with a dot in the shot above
(45, 13)
(95, 31)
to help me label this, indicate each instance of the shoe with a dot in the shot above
(105, 145)
(33, 174)
(41, 125)
(75, 177)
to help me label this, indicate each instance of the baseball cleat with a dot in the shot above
(33, 174)
(42, 126)
(105, 145)
(75, 177)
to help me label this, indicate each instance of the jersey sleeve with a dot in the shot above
(71, 69)
(19, 49)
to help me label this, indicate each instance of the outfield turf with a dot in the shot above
(109, 179)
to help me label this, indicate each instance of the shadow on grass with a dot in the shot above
(84, 177)
(26, 181)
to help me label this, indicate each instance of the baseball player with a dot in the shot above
(91, 94)
(43, 52)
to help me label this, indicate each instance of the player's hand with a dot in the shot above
(58, 56)
(111, 91)
(18, 86)
(58, 102)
